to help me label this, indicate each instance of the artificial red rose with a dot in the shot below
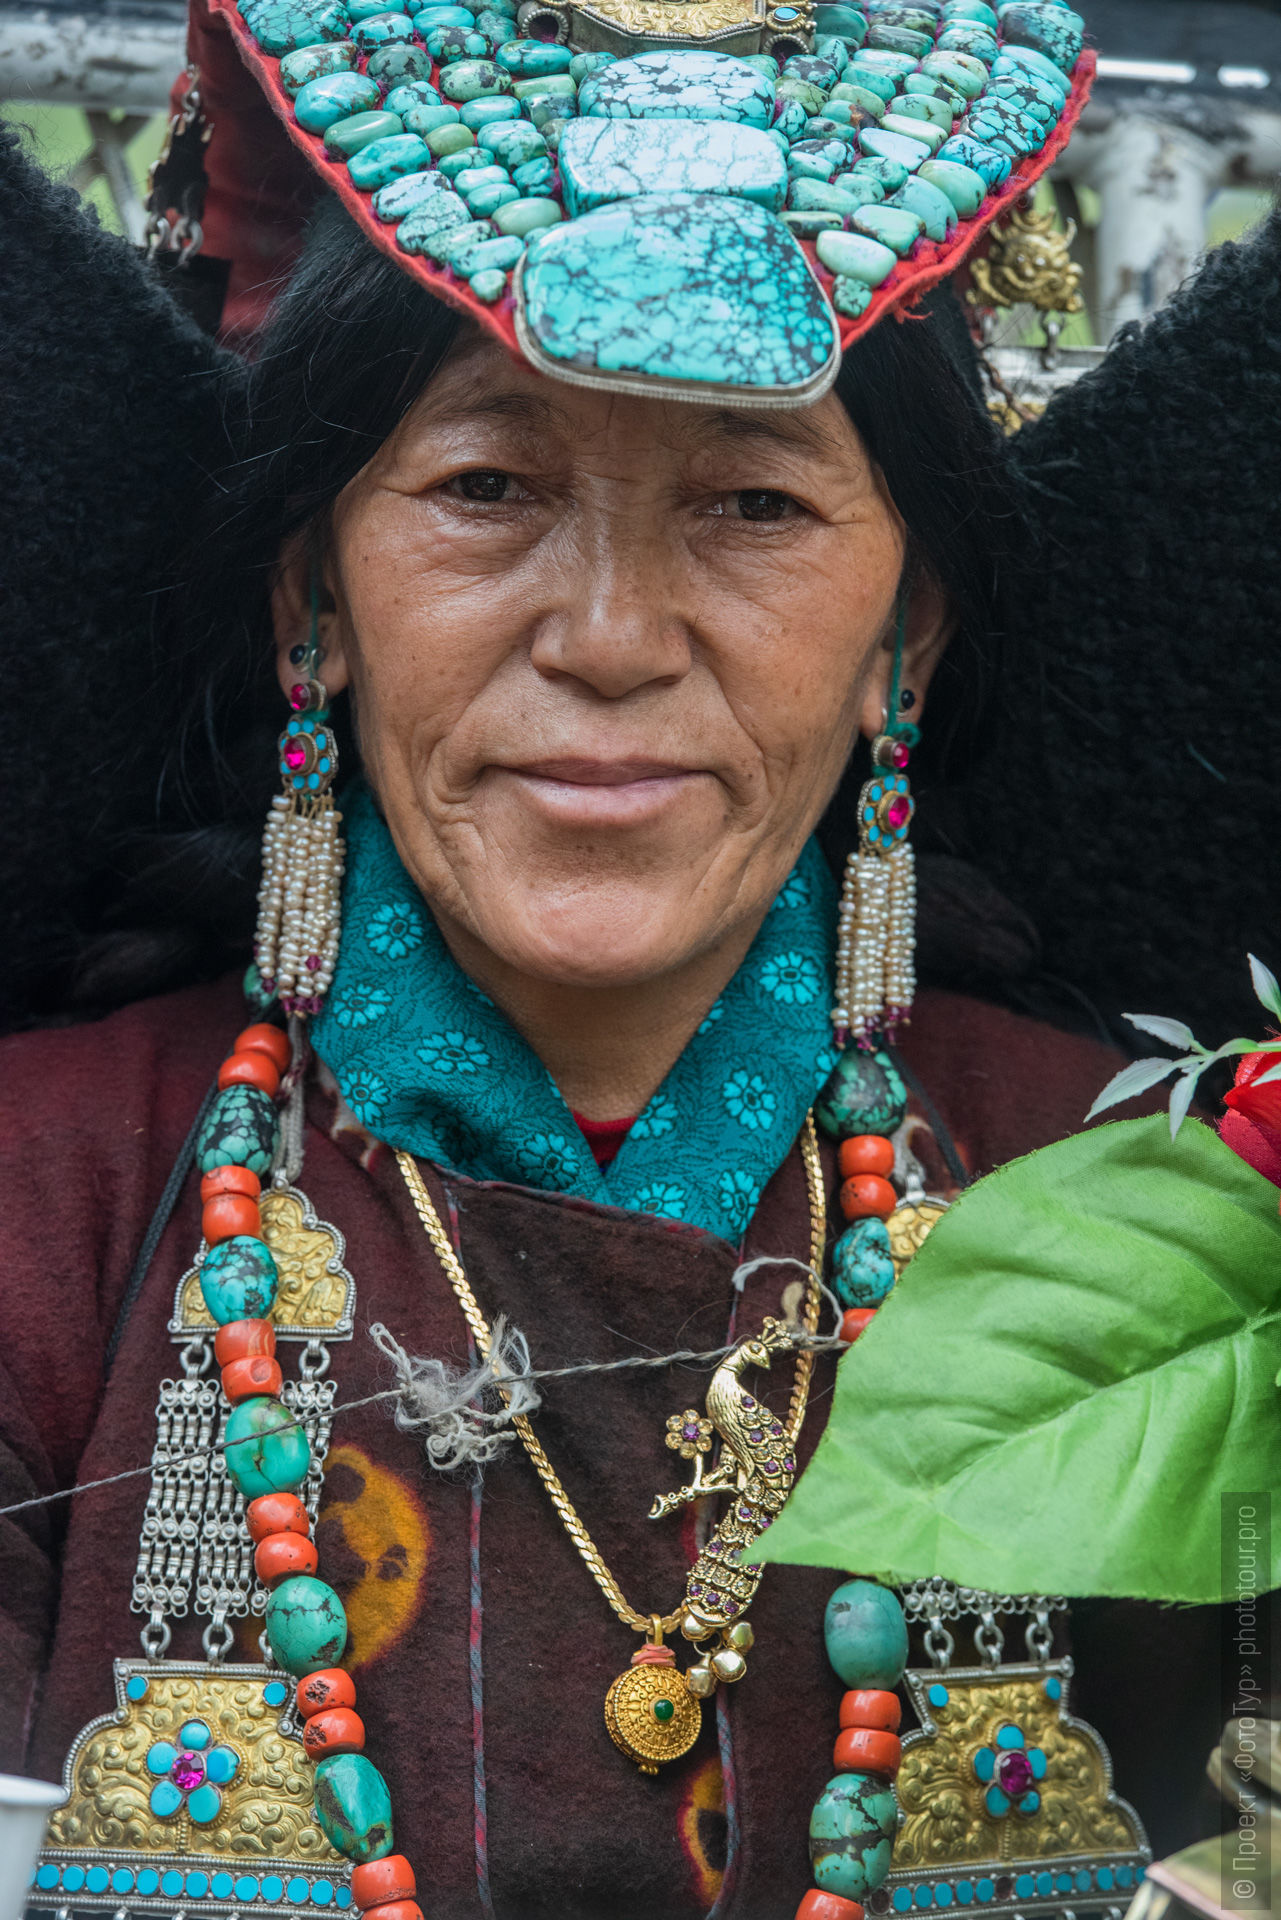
(1252, 1124)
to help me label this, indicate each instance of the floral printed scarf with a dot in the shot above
(426, 1061)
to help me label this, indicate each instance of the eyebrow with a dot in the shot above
(790, 430)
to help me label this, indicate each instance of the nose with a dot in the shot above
(619, 626)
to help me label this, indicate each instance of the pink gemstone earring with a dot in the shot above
(299, 900)
(876, 930)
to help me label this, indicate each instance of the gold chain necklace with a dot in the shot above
(653, 1712)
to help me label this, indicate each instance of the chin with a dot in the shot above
(608, 942)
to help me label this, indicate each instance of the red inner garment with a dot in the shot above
(604, 1137)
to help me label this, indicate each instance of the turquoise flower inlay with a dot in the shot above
(545, 1158)
(453, 1052)
(739, 1196)
(367, 1095)
(661, 1196)
(356, 1006)
(658, 1118)
(793, 978)
(749, 1101)
(1009, 1770)
(189, 1777)
(395, 929)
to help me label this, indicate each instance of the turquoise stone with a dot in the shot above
(888, 145)
(488, 285)
(414, 193)
(976, 10)
(470, 79)
(1026, 91)
(467, 179)
(238, 1279)
(865, 187)
(262, 1459)
(306, 1627)
(469, 159)
(682, 85)
(428, 228)
(865, 1634)
(584, 63)
(894, 64)
(346, 137)
(790, 120)
(846, 22)
(834, 51)
(543, 86)
(382, 30)
(425, 18)
(385, 160)
(339, 95)
(924, 131)
(526, 58)
(1054, 31)
(525, 216)
(549, 112)
(930, 85)
(448, 240)
(865, 1093)
(497, 255)
(929, 204)
(282, 26)
(450, 45)
(483, 202)
(992, 166)
(960, 62)
(871, 79)
(893, 226)
(920, 106)
(825, 129)
(390, 65)
(551, 128)
(353, 1807)
(851, 1834)
(495, 26)
(963, 187)
(889, 172)
(815, 72)
(802, 93)
(862, 1268)
(861, 98)
(1014, 133)
(850, 297)
(365, 9)
(1027, 60)
(414, 93)
(448, 140)
(818, 196)
(240, 1131)
(425, 118)
(808, 226)
(488, 109)
(297, 70)
(536, 178)
(607, 160)
(969, 85)
(975, 41)
(853, 256)
(691, 287)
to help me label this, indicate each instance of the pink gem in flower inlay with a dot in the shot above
(899, 811)
(187, 1772)
(295, 755)
(1014, 1774)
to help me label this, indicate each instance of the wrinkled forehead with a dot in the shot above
(704, 200)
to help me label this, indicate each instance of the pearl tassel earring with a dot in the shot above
(299, 900)
(876, 929)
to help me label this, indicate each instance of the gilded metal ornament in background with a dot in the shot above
(316, 1295)
(1028, 263)
(624, 27)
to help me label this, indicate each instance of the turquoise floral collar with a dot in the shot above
(426, 1061)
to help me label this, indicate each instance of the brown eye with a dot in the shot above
(483, 483)
(764, 505)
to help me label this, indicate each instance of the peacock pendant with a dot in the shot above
(653, 1711)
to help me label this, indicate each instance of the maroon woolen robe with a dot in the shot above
(91, 1119)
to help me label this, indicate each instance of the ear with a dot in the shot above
(929, 626)
(291, 616)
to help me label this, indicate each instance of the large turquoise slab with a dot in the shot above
(240, 1131)
(865, 1634)
(267, 1450)
(851, 1834)
(238, 1279)
(353, 1807)
(606, 160)
(681, 85)
(689, 291)
(306, 1625)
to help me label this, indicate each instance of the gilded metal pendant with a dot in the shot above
(651, 1713)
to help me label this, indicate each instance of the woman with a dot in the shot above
(611, 658)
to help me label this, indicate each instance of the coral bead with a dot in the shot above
(264, 1039)
(866, 1153)
(337, 1730)
(867, 1750)
(250, 1070)
(398, 1910)
(828, 1906)
(327, 1687)
(868, 1194)
(230, 1180)
(378, 1881)
(872, 1707)
(276, 1513)
(244, 1340)
(281, 1555)
(242, 1379)
(228, 1215)
(854, 1320)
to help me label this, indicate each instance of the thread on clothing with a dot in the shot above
(476, 1674)
(461, 1413)
(729, 1786)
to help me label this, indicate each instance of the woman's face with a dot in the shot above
(608, 657)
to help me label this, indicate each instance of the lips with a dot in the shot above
(602, 773)
(579, 793)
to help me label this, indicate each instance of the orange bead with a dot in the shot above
(244, 1340)
(318, 1692)
(276, 1513)
(229, 1214)
(250, 1070)
(868, 1195)
(853, 1321)
(867, 1750)
(379, 1881)
(283, 1554)
(246, 1379)
(397, 1909)
(870, 1707)
(866, 1153)
(338, 1730)
(230, 1180)
(827, 1906)
(265, 1039)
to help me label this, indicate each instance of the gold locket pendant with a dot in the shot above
(651, 1714)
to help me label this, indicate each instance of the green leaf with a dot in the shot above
(1181, 1097)
(1173, 1032)
(1131, 1081)
(1267, 988)
(1075, 1367)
